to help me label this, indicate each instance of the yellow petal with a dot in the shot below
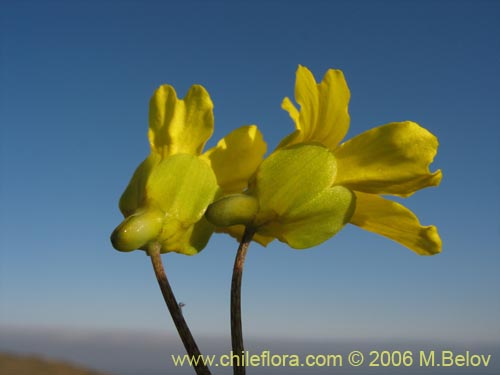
(307, 96)
(294, 113)
(390, 159)
(298, 135)
(134, 194)
(236, 157)
(333, 118)
(323, 116)
(392, 220)
(180, 126)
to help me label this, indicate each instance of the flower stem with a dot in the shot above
(236, 328)
(175, 310)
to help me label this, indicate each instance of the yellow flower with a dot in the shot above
(169, 192)
(312, 185)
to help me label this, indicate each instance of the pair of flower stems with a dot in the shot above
(178, 196)
(180, 323)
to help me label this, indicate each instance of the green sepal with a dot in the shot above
(291, 177)
(316, 221)
(187, 241)
(298, 203)
(180, 187)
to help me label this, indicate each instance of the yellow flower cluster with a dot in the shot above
(303, 193)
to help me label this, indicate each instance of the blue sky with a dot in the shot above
(76, 78)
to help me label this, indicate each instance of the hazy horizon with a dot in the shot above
(148, 353)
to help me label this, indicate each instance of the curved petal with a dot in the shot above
(298, 135)
(294, 113)
(180, 126)
(333, 119)
(392, 220)
(323, 115)
(390, 159)
(316, 221)
(134, 195)
(307, 96)
(236, 158)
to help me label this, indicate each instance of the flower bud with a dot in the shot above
(232, 209)
(137, 230)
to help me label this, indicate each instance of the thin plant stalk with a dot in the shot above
(175, 311)
(236, 327)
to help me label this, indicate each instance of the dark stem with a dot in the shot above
(236, 329)
(175, 311)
